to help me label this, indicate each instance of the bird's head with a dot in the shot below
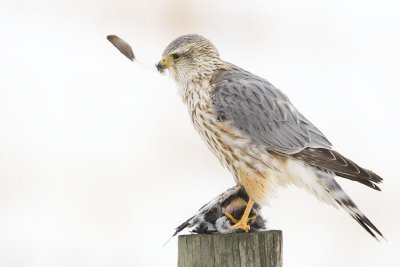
(189, 57)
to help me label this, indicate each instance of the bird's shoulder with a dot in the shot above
(262, 111)
(234, 87)
(229, 75)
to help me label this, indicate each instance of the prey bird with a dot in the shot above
(257, 133)
(211, 217)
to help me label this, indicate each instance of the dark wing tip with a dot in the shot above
(179, 229)
(375, 177)
(331, 160)
(183, 226)
(122, 46)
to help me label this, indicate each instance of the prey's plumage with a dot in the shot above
(211, 219)
(256, 132)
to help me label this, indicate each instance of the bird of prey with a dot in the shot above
(257, 133)
(211, 217)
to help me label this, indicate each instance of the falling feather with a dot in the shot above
(122, 46)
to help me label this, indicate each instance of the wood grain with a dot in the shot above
(259, 249)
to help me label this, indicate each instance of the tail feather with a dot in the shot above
(357, 215)
(367, 225)
(343, 200)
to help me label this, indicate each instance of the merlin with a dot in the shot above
(257, 133)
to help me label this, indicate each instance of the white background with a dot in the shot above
(99, 161)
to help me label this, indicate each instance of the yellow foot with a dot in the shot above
(243, 223)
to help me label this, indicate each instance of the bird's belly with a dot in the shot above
(250, 164)
(253, 168)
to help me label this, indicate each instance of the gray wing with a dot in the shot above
(266, 115)
(263, 113)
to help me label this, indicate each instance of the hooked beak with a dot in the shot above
(162, 65)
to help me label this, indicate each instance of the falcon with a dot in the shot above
(257, 133)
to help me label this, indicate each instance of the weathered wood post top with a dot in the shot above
(258, 249)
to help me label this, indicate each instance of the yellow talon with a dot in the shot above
(234, 220)
(252, 218)
(230, 217)
(243, 223)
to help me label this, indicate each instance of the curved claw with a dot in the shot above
(243, 223)
(230, 217)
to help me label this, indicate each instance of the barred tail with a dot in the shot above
(341, 198)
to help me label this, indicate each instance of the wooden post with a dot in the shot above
(258, 249)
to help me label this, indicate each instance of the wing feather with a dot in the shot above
(266, 115)
(331, 160)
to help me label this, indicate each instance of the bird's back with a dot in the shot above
(263, 112)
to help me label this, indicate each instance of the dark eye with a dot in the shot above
(175, 56)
